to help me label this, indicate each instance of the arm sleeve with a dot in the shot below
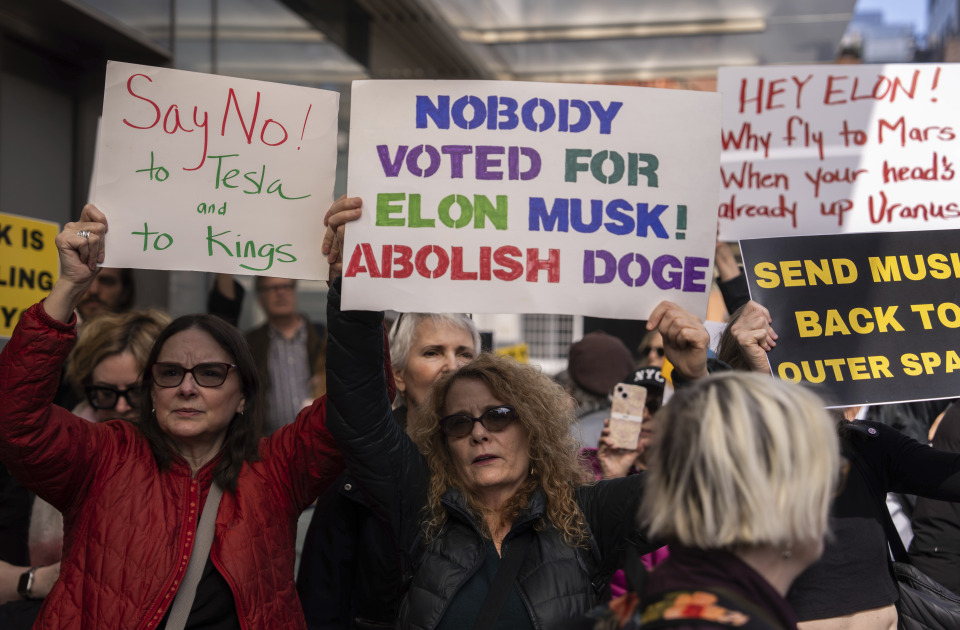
(914, 468)
(303, 455)
(610, 508)
(48, 449)
(220, 305)
(735, 292)
(380, 456)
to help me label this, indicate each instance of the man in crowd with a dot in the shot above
(285, 348)
(112, 291)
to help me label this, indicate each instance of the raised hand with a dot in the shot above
(685, 339)
(343, 211)
(81, 246)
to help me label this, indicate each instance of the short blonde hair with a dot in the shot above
(742, 460)
(114, 333)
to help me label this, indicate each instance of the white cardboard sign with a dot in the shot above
(211, 173)
(512, 197)
(838, 148)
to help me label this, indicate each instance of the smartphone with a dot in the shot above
(626, 414)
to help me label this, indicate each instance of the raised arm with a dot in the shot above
(46, 448)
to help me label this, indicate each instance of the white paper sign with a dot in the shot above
(210, 173)
(839, 148)
(511, 197)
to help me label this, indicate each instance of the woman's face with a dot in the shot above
(651, 354)
(493, 464)
(435, 349)
(190, 414)
(118, 372)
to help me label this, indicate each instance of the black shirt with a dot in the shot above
(213, 607)
(853, 574)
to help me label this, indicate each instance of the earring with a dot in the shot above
(788, 552)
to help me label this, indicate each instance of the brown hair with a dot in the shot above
(245, 428)
(544, 415)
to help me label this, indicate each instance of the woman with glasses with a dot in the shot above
(106, 364)
(186, 519)
(494, 513)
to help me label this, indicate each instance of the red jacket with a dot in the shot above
(129, 528)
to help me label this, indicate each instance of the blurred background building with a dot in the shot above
(53, 54)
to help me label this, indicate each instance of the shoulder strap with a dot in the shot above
(183, 601)
(506, 578)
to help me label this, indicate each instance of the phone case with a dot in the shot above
(626, 414)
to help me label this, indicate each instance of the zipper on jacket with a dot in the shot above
(165, 598)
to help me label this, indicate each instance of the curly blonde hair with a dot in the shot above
(544, 413)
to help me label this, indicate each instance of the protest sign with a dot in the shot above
(871, 318)
(511, 197)
(214, 173)
(841, 148)
(29, 265)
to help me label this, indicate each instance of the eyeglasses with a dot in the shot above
(204, 374)
(644, 351)
(494, 420)
(104, 397)
(277, 288)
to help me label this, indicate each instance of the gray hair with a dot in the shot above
(403, 330)
(743, 459)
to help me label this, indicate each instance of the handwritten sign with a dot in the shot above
(529, 197)
(870, 318)
(842, 148)
(213, 173)
(29, 266)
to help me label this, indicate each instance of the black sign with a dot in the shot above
(872, 318)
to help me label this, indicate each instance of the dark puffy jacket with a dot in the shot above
(555, 581)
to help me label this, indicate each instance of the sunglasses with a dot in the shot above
(644, 351)
(494, 420)
(104, 397)
(204, 374)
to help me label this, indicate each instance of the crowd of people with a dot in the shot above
(449, 486)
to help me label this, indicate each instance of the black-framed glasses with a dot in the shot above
(211, 374)
(494, 420)
(105, 397)
(644, 351)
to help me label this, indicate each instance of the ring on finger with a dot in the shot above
(83, 233)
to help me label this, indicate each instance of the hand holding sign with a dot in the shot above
(82, 247)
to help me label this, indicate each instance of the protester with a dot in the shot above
(609, 462)
(106, 363)
(112, 291)
(132, 494)
(651, 350)
(851, 586)
(490, 468)
(740, 483)
(349, 576)
(595, 365)
(285, 348)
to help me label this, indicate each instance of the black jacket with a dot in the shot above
(555, 581)
(350, 569)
